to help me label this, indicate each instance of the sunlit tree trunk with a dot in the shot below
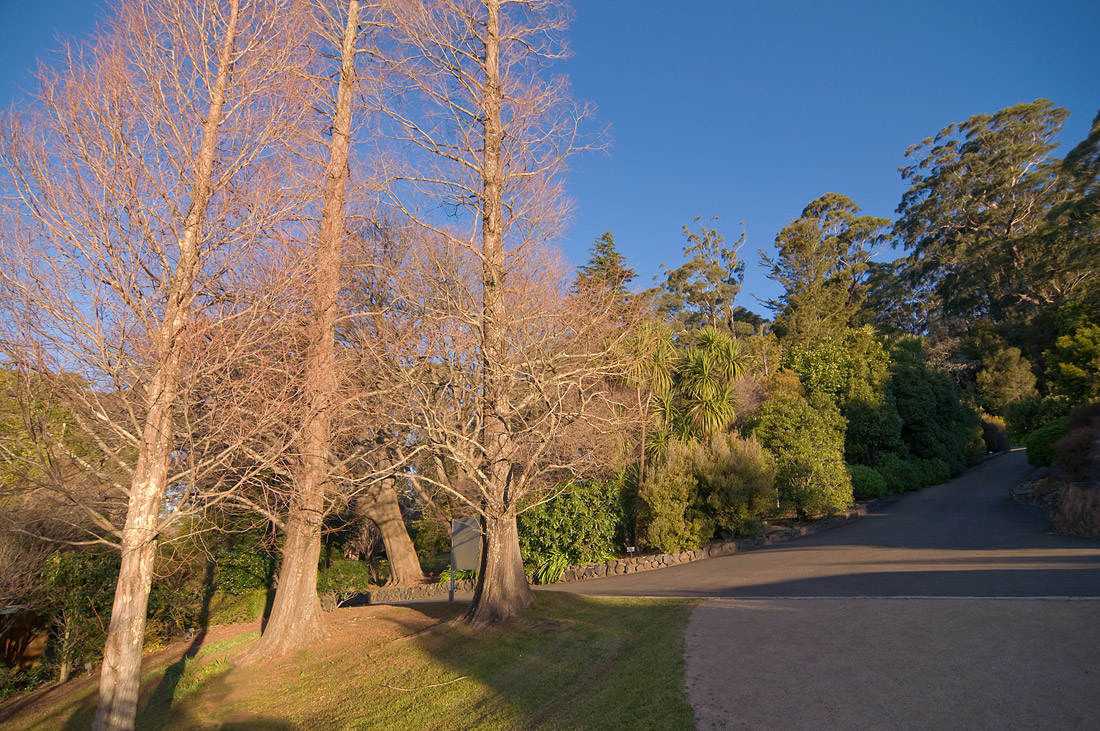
(121, 673)
(502, 589)
(296, 620)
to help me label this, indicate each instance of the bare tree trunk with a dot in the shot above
(383, 508)
(66, 654)
(296, 615)
(121, 674)
(502, 589)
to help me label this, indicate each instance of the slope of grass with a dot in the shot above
(571, 662)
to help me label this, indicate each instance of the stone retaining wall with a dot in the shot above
(719, 548)
(395, 594)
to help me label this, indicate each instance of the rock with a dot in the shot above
(1077, 511)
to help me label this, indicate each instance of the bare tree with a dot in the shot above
(144, 176)
(492, 135)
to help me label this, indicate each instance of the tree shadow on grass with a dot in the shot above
(570, 662)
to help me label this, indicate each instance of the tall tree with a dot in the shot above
(128, 222)
(490, 138)
(1070, 237)
(822, 263)
(978, 192)
(700, 292)
(296, 620)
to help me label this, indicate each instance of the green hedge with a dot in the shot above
(1040, 443)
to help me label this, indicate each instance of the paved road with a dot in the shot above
(965, 538)
(952, 608)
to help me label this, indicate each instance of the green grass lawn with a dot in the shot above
(571, 662)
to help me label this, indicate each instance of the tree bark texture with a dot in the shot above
(296, 620)
(121, 673)
(502, 589)
(382, 507)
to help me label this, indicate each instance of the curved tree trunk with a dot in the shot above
(383, 508)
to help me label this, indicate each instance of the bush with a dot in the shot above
(13, 680)
(993, 434)
(873, 428)
(737, 480)
(866, 483)
(1040, 443)
(808, 447)
(671, 510)
(900, 474)
(1074, 361)
(1005, 377)
(226, 608)
(344, 578)
(1077, 448)
(1026, 415)
(583, 523)
(431, 536)
(935, 423)
(934, 472)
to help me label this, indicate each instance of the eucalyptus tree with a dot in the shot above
(701, 291)
(980, 191)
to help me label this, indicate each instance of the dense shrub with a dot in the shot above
(226, 608)
(736, 478)
(1026, 415)
(431, 536)
(867, 484)
(1005, 377)
(900, 474)
(850, 366)
(935, 423)
(671, 506)
(343, 578)
(873, 428)
(1074, 361)
(1040, 443)
(583, 522)
(76, 594)
(808, 447)
(1077, 450)
(934, 472)
(993, 434)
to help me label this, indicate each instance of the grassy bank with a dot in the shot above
(572, 662)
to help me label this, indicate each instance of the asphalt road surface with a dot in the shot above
(951, 608)
(965, 538)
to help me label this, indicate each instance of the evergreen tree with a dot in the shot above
(980, 192)
(606, 272)
(822, 263)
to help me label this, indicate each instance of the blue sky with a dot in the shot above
(749, 110)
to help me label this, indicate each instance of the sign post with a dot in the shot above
(465, 548)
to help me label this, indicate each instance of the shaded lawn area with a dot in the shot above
(571, 662)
